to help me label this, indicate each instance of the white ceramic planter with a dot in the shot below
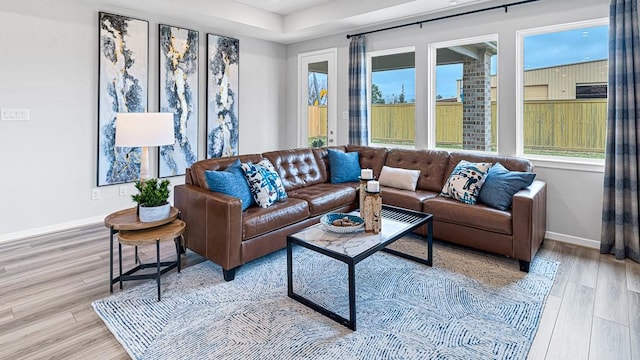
(156, 213)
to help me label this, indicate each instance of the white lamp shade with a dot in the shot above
(144, 129)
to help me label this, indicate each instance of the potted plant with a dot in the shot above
(152, 199)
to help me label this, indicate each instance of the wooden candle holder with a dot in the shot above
(363, 189)
(371, 212)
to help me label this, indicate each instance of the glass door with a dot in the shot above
(317, 99)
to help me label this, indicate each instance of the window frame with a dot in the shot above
(432, 93)
(548, 161)
(370, 55)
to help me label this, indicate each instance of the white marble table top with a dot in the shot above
(351, 244)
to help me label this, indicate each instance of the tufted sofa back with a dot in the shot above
(370, 157)
(511, 163)
(322, 157)
(196, 174)
(297, 168)
(431, 163)
(302, 167)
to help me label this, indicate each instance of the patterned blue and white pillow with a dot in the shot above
(465, 181)
(265, 183)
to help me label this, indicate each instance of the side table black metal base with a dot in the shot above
(158, 265)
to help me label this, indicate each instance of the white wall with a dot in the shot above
(574, 197)
(49, 64)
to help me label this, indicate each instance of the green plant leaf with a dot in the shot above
(151, 192)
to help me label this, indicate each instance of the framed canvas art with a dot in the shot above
(222, 96)
(123, 75)
(179, 96)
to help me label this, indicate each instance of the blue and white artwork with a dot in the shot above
(124, 44)
(179, 95)
(222, 96)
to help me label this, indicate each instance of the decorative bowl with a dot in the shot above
(328, 219)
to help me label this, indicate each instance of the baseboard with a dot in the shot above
(569, 239)
(50, 229)
(574, 240)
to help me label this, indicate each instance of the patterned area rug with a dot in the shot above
(469, 305)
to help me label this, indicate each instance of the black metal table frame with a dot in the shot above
(352, 261)
(128, 275)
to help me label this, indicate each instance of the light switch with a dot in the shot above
(14, 114)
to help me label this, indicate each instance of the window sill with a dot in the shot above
(577, 164)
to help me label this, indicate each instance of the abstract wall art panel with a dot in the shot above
(222, 96)
(179, 95)
(123, 75)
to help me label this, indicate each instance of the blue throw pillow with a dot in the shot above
(231, 181)
(501, 184)
(344, 167)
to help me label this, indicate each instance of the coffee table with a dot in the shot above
(355, 247)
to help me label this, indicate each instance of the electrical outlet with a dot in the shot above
(95, 194)
(123, 190)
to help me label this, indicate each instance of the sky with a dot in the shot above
(390, 84)
(544, 50)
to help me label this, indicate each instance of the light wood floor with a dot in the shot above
(47, 285)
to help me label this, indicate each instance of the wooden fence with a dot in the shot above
(317, 121)
(449, 124)
(394, 124)
(568, 125)
(550, 125)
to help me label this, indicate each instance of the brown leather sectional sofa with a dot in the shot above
(219, 230)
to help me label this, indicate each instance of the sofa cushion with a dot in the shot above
(297, 168)
(405, 198)
(325, 197)
(264, 182)
(501, 184)
(231, 181)
(370, 157)
(399, 178)
(257, 220)
(477, 216)
(431, 163)
(465, 181)
(345, 167)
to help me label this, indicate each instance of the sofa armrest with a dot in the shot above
(529, 212)
(214, 224)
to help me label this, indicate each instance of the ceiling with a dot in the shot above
(289, 21)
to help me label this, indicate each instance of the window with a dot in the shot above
(591, 91)
(564, 74)
(392, 97)
(465, 94)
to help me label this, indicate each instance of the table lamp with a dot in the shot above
(144, 130)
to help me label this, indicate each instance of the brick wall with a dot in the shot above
(476, 103)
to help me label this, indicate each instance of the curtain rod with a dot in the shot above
(504, 6)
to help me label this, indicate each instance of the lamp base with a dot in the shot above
(144, 164)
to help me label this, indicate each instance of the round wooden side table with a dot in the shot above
(131, 231)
